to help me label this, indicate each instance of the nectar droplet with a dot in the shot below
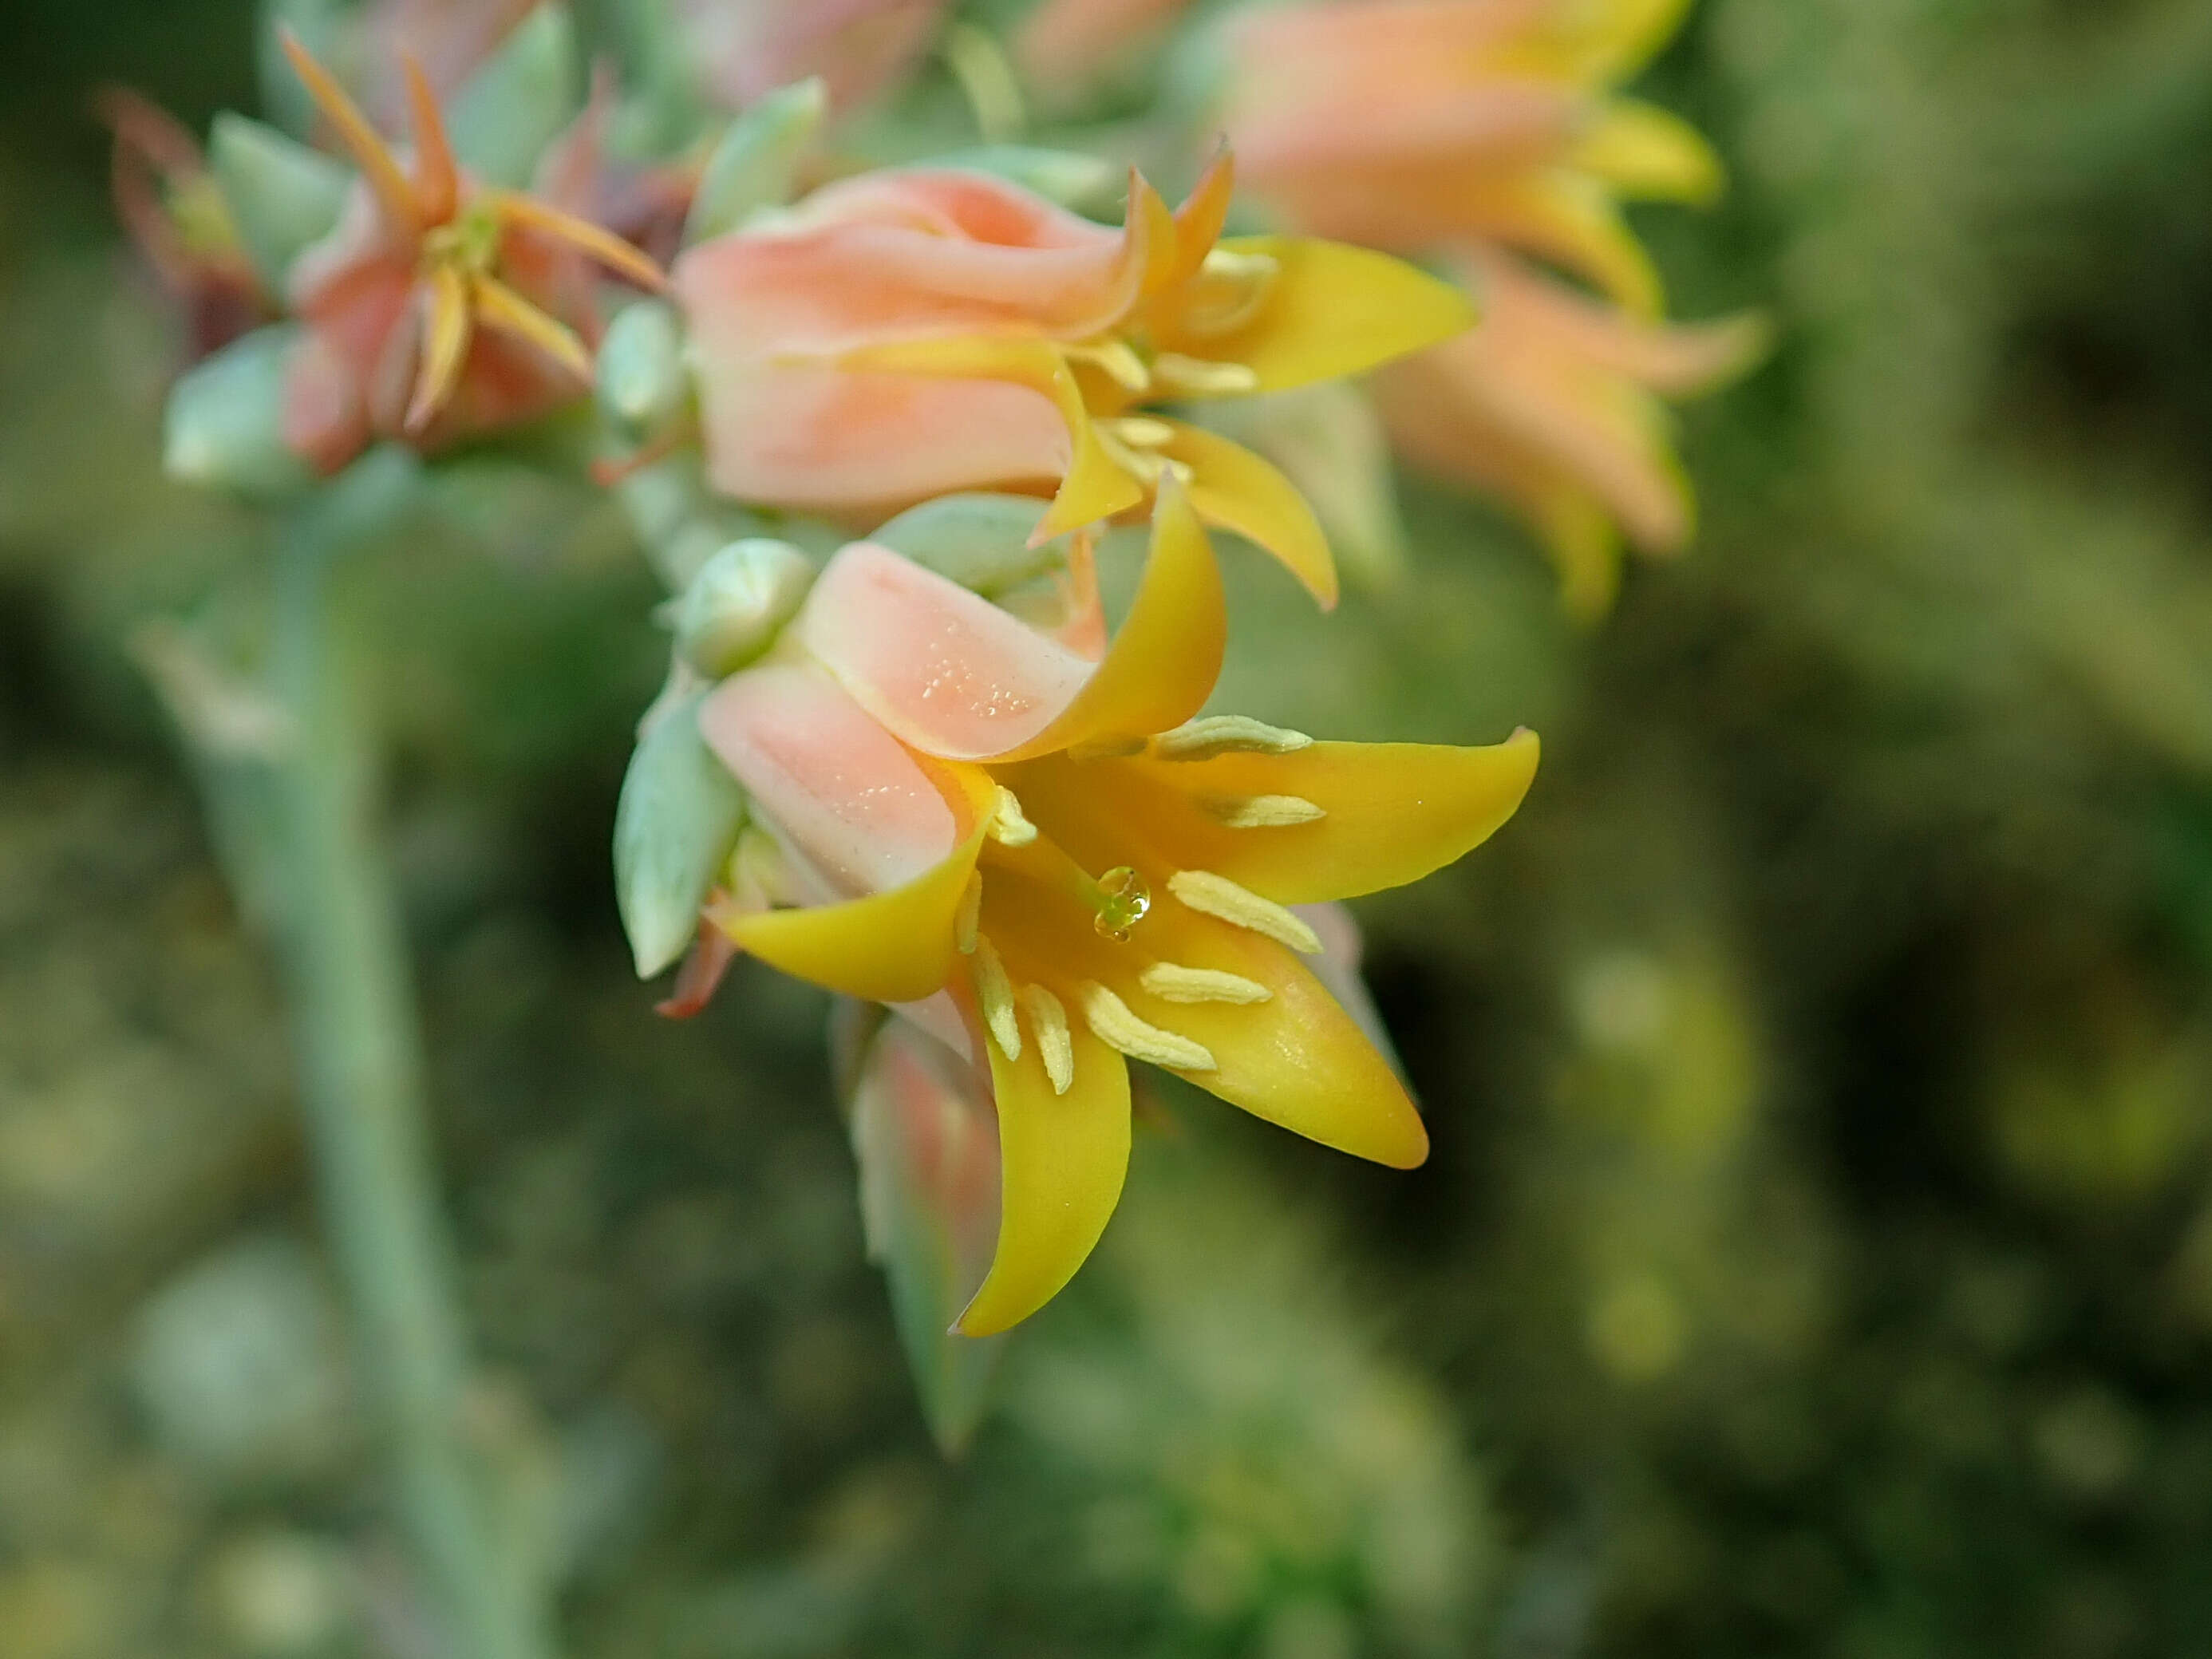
(1123, 901)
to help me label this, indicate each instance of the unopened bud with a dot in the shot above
(679, 815)
(224, 428)
(739, 602)
(756, 164)
(641, 383)
(283, 196)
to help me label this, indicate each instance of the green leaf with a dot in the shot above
(675, 825)
(520, 102)
(755, 166)
(979, 540)
(224, 427)
(283, 196)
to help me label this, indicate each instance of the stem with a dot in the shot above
(353, 1012)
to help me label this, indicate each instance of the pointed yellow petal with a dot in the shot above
(1585, 546)
(1334, 310)
(445, 346)
(392, 192)
(1571, 217)
(1649, 153)
(1392, 812)
(498, 306)
(1627, 33)
(1161, 666)
(896, 946)
(1231, 487)
(1199, 221)
(1062, 1159)
(1097, 487)
(603, 245)
(437, 180)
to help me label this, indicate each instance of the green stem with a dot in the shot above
(353, 1012)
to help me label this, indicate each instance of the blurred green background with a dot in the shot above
(1817, 1255)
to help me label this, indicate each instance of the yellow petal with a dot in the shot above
(1096, 487)
(1392, 812)
(1297, 1059)
(1161, 666)
(1585, 546)
(445, 346)
(1062, 1159)
(1199, 221)
(1334, 310)
(1626, 33)
(1231, 487)
(595, 241)
(895, 946)
(1649, 153)
(1571, 217)
(497, 305)
(437, 180)
(370, 153)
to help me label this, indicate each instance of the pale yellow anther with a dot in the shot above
(1146, 466)
(1223, 900)
(1198, 377)
(1223, 734)
(1232, 288)
(759, 874)
(1140, 431)
(1056, 1044)
(995, 992)
(970, 916)
(1261, 811)
(1113, 1024)
(1170, 981)
(1009, 826)
(1106, 749)
(1120, 362)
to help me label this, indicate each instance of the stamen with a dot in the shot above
(1122, 900)
(970, 916)
(1113, 1024)
(1261, 811)
(1199, 377)
(1170, 981)
(1223, 734)
(758, 873)
(1144, 465)
(1223, 900)
(1106, 749)
(996, 993)
(1056, 1046)
(1118, 359)
(1009, 826)
(1231, 288)
(1140, 431)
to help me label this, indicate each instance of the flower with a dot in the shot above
(174, 211)
(748, 48)
(1554, 401)
(909, 332)
(1049, 863)
(1410, 123)
(437, 308)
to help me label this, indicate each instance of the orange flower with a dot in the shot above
(1554, 401)
(1409, 124)
(437, 309)
(912, 332)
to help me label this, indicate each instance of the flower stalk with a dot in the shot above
(353, 1012)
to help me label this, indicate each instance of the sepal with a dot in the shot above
(224, 427)
(756, 163)
(979, 540)
(739, 602)
(675, 825)
(520, 102)
(283, 196)
(641, 377)
(926, 1137)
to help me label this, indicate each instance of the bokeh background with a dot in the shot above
(1817, 1255)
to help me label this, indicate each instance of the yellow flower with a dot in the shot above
(910, 333)
(1055, 863)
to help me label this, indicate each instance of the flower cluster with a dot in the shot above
(875, 426)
